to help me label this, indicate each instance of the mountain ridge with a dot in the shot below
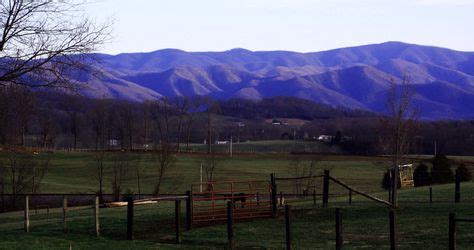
(354, 77)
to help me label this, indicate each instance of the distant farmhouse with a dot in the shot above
(326, 138)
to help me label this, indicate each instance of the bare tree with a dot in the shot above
(43, 41)
(4, 114)
(127, 123)
(166, 158)
(161, 113)
(209, 131)
(303, 173)
(212, 107)
(146, 123)
(98, 117)
(17, 107)
(398, 125)
(189, 120)
(72, 107)
(138, 171)
(99, 159)
(47, 128)
(24, 172)
(210, 165)
(120, 167)
(181, 105)
(2, 185)
(24, 108)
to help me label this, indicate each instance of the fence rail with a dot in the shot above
(298, 178)
(368, 196)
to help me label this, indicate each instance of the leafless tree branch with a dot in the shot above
(42, 42)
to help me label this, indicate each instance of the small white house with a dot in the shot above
(113, 142)
(277, 122)
(326, 138)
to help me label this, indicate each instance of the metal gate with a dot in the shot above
(252, 199)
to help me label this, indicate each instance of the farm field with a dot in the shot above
(420, 224)
(273, 146)
(76, 172)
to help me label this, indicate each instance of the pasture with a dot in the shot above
(75, 172)
(365, 224)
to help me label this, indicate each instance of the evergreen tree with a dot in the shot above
(421, 176)
(464, 172)
(441, 171)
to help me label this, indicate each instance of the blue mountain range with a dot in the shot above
(356, 77)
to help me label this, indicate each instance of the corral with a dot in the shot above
(251, 199)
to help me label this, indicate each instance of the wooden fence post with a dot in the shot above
(258, 199)
(274, 195)
(338, 229)
(350, 196)
(230, 226)
(27, 214)
(288, 226)
(390, 194)
(452, 231)
(431, 195)
(177, 212)
(3, 196)
(96, 216)
(457, 189)
(394, 186)
(130, 218)
(393, 232)
(189, 211)
(326, 188)
(65, 214)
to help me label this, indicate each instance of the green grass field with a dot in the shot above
(76, 172)
(420, 224)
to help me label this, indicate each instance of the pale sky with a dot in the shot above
(296, 25)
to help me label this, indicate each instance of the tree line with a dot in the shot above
(56, 120)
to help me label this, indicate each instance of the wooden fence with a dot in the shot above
(453, 221)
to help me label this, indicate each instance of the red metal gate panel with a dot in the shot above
(252, 199)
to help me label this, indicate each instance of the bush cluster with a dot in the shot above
(440, 172)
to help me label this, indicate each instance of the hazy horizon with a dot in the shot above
(302, 52)
(297, 25)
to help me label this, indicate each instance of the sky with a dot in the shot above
(295, 25)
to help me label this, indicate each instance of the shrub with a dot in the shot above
(441, 171)
(421, 176)
(464, 173)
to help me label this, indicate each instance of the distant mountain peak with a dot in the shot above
(169, 50)
(240, 50)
